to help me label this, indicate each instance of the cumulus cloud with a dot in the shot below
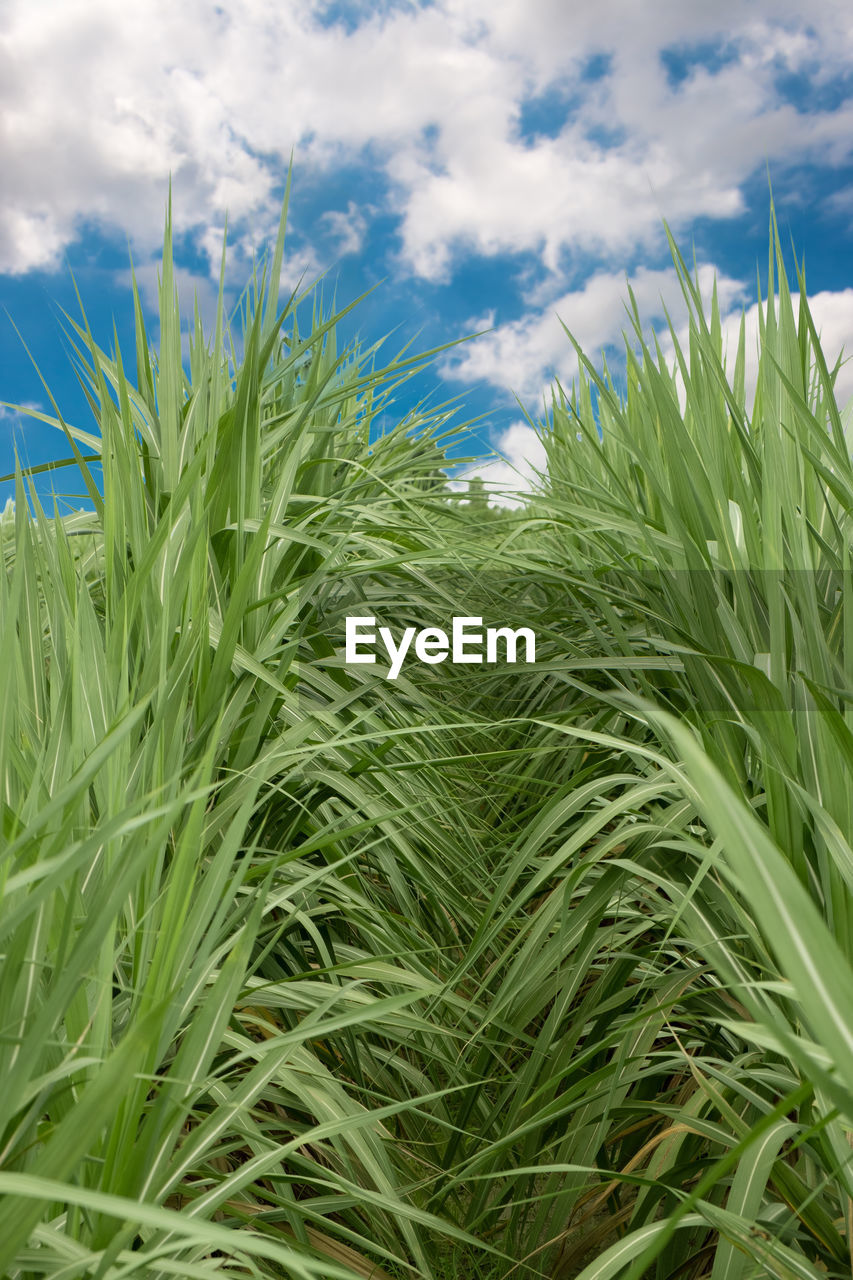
(524, 355)
(13, 415)
(348, 228)
(520, 462)
(101, 102)
(832, 313)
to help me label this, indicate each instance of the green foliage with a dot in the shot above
(528, 972)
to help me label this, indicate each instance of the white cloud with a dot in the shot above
(832, 313)
(522, 460)
(17, 414)
(686, 150)
(348, 228)
(100, 102)
(833, 316)
(16, 426)
(523, 355)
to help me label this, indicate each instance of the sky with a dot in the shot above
(483, 166)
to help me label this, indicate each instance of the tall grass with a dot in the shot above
(714, 540)
(538, 972)
(191, 945)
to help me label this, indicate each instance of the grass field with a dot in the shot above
(522, 972)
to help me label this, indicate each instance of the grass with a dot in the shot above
(541, 973)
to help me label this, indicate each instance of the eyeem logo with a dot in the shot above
(432, 644)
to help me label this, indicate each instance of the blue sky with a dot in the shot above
(494, 163)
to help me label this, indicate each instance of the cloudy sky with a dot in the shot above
(495, 164)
